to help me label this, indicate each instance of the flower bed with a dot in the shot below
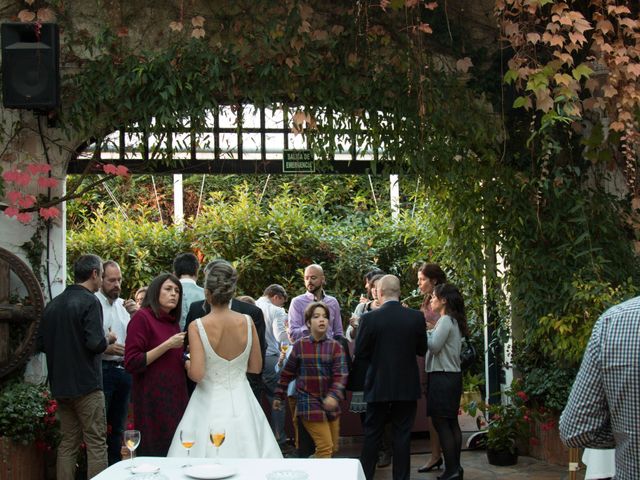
(28, 430)
(27, 416)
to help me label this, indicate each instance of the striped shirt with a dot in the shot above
(320, 369)
(603, 410)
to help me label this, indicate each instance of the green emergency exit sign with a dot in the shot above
(298, 161)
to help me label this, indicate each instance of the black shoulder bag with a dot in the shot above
(468, 354)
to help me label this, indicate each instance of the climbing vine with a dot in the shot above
(578, 64)
(518, 131)
(364, 62)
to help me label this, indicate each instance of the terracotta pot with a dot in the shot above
(20, 462)
(502, 459)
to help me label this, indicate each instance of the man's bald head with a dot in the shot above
(314, 279)
(315, 268)
(389, 288)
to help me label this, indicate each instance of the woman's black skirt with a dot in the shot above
(444, 390)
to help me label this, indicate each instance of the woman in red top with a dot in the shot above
(430, 275)
(153, 355)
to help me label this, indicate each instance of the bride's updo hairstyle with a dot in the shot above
(220, 282)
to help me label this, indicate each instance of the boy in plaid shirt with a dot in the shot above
(319, 366)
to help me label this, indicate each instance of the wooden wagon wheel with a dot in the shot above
(21, 306)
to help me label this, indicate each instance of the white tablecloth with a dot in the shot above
(246, 469)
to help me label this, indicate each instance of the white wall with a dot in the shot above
(21, 145)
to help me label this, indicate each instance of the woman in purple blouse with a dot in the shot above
(153, 355)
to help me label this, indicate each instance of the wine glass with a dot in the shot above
(284, 346)
(188, 440)
(132, 440)
(217, 436)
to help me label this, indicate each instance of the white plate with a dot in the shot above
(209, 471)
(287, 475)
(145, 468)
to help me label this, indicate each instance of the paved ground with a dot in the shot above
(474, 463)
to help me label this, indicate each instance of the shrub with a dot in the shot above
(266, 243)
(27, 415)
(549, 355)
(275, 243)
(566, 334)
(142, 248)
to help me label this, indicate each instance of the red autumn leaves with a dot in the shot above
(22, 205)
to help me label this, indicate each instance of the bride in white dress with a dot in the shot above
(224, 346)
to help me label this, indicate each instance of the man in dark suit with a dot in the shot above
(389, 339)
(201, 308)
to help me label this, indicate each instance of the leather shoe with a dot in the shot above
(428, 468)
(384, 460)
(458, 475)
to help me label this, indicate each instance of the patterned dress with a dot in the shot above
(159, 389)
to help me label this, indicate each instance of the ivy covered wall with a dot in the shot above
(508, 136)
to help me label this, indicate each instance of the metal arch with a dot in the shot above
(211, 158)
(31, 313)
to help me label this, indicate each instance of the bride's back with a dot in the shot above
(226, 332)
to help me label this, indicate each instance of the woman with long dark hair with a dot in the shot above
(153, 356)
(430, 275)
(444, 387)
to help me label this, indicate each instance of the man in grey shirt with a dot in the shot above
(185, 267)
(275, 319)
(603, 410)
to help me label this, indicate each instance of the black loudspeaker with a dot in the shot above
(30, 65)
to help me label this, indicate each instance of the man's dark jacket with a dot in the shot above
(201, 308)
(72, 336)
(389, 338)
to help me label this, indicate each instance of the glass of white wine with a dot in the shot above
(188, 440)
(217, 435)
(131, 441)
(284, 346)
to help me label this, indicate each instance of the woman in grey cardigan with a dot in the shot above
(445, 378)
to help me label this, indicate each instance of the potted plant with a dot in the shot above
(508, 423)
(28, 427)
(471, 388)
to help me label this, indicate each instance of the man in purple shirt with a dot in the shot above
(314, 283)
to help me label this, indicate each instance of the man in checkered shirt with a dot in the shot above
(603, 410)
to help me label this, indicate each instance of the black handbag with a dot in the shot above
(468, 354)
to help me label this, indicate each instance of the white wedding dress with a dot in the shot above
(224, 399)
